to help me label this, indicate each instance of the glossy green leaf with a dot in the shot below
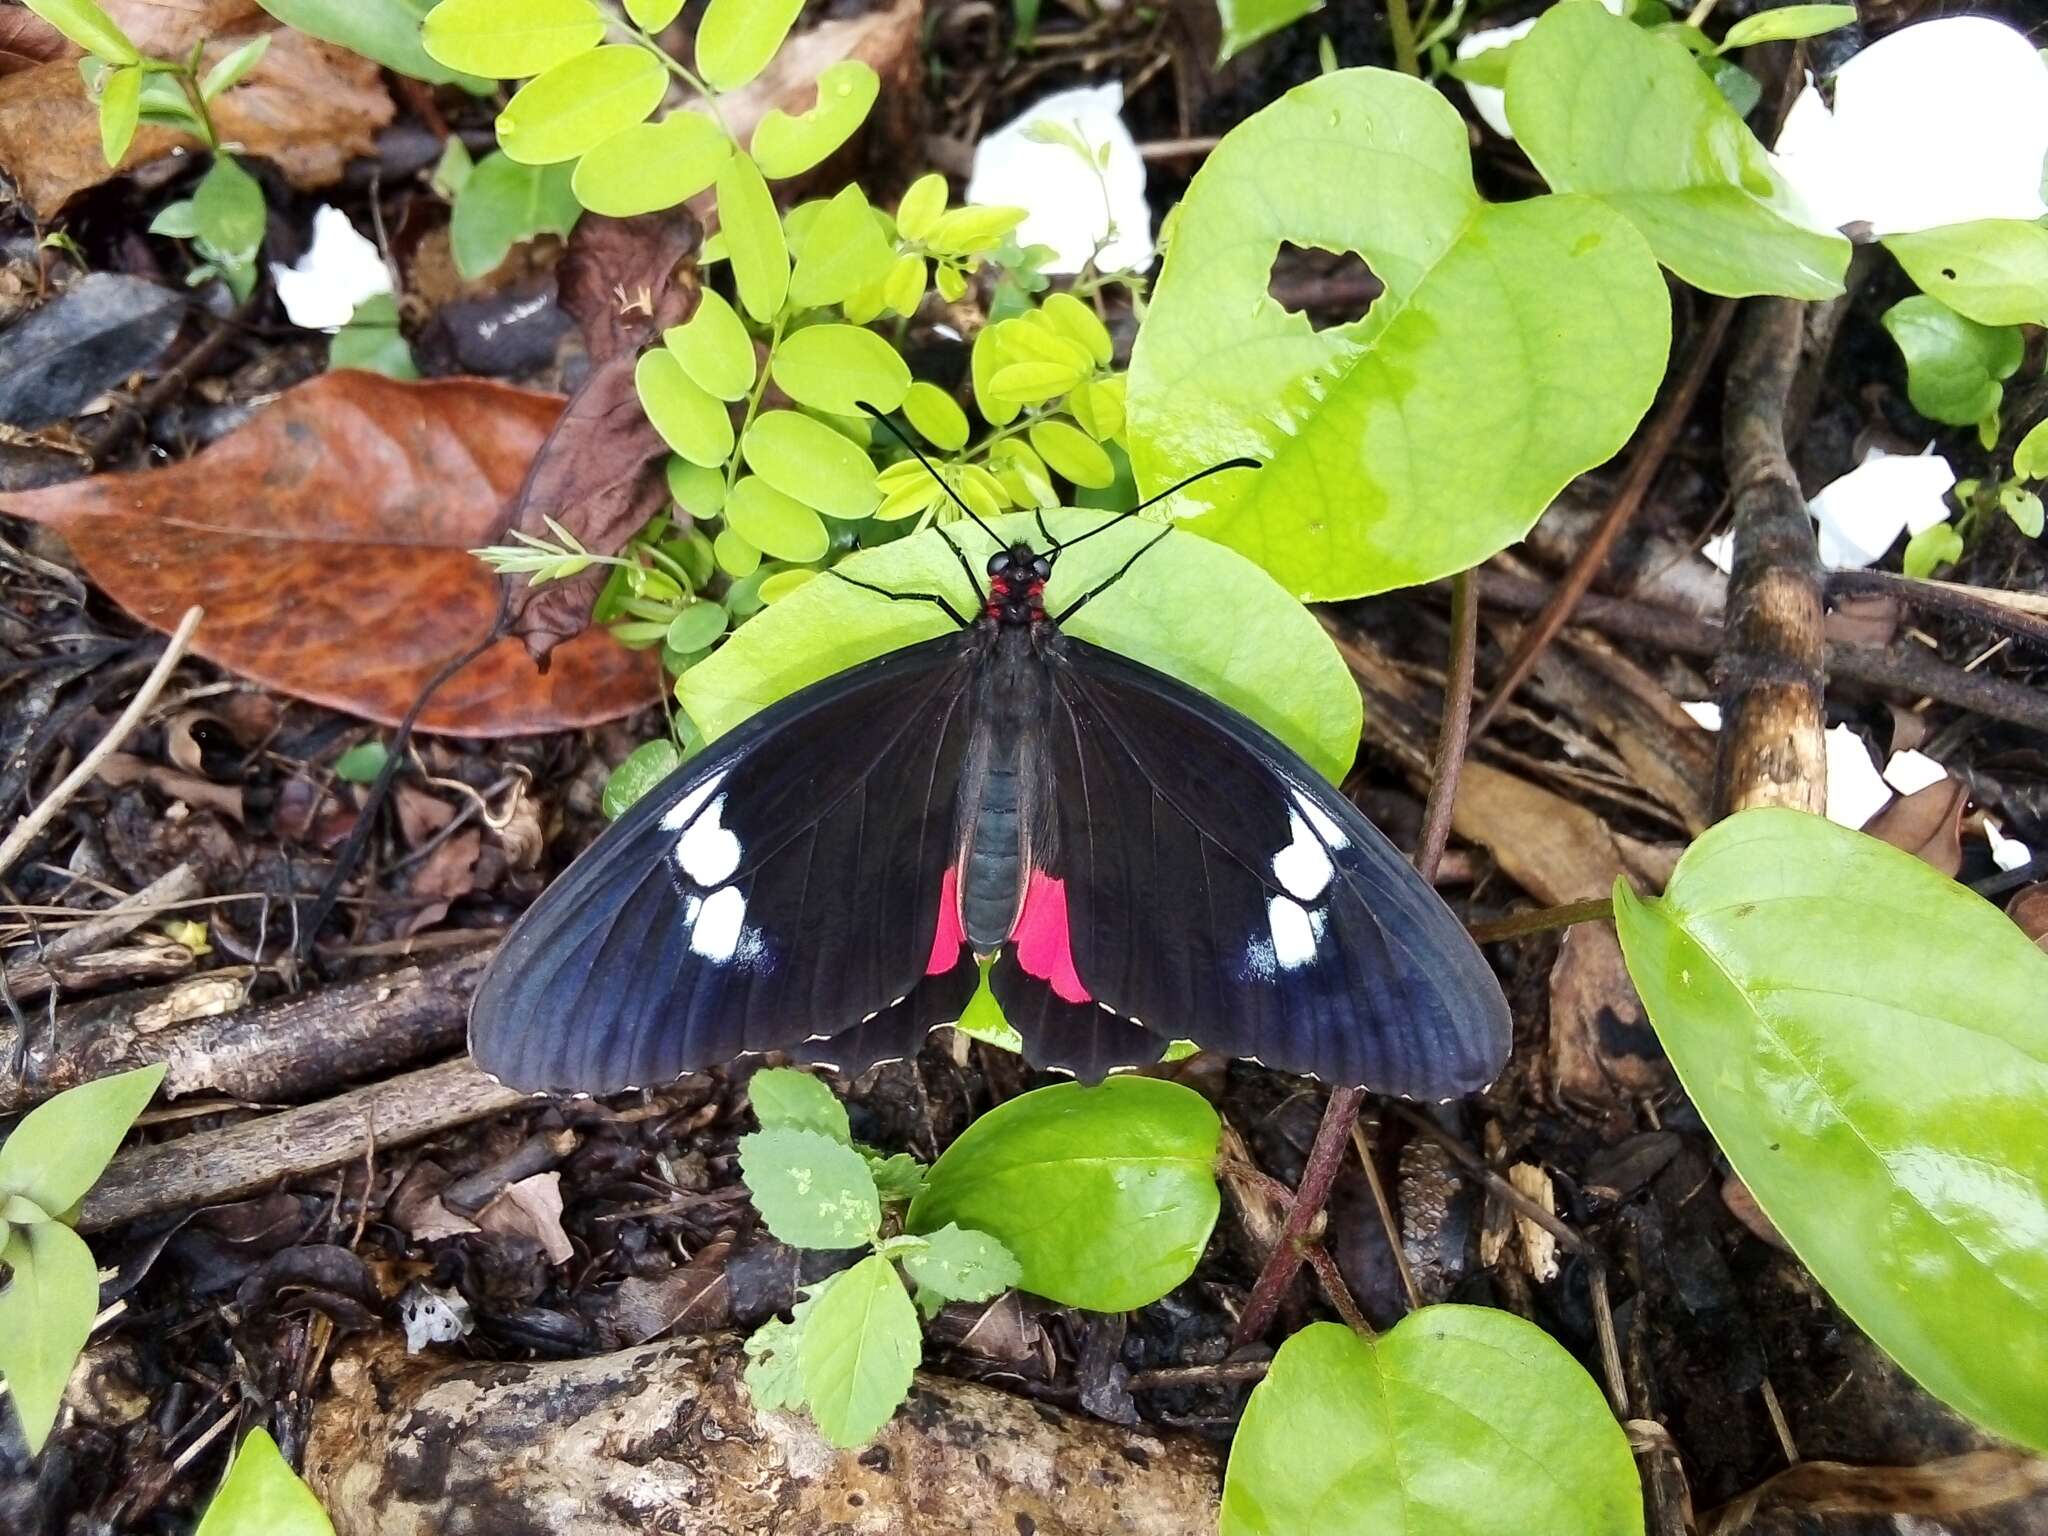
(1264, 655)
(785, 1098)
(690, 419)
(1604, 107)
(958, 1265)
(2023, 507)
(842, 253)
(1515, 347)
(503, 204)
(840, 368)
(714, 348)
(807, 460)
(2030, 458)
(937, 416)
(1246, 21)
(1073, 453)
(813, 1191)
(1078, 323)
(373, 341)
(46, 1313)
(63, 1144)
(1936, 545)
(120, 110)
(262, 1496)
(646, 167)
(1955, 368)
(579, 103)
(361, 763)
(1458, 1421)
(645, 766)
(698, 490)
(779, 526)
(736, 557)
(1787, 22)
(89, 27)
(1105, 1195)
(737, 38)
(788, 146)
(234, 66)
(1995, 271)
(753, 238)
(510, 39)
(653, 15)
(921, 206)
(858, 1350)
(1867, 1042)
(390, 32)
(696, 628)
(228, 209)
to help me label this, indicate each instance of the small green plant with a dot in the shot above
(52, 1293)
(262, 1496)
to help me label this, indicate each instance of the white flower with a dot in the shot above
(1705, 713)
(1865, 511)
(339, 270)
(1071, 205)
(1911, 772)
(1855, 792)
(1490, 101)
(2006, 852)
(1720, 551)
(1936, 124)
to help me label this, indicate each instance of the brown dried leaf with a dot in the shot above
(123, 768)
(27, 40)
(449, 872)
(328, 542)
(1927, 823)
(688, 1299)
(1743, 1207)
(1604, 1058)
(420, 815)
(2029, 908)
(531, 1208)
(1953, 1485)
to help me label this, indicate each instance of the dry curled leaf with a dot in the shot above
(1927, 823)
(531, 1208)
(2029, 908)
(1953, 1485)
(328, 542)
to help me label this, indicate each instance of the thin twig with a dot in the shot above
(31, 825)
(1455, 732)
(1393, 1230)
(1519, 925)
(1942, 597)
(1334, 1287)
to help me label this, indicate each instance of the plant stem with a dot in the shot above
(688, 77)
(1402, 33)
(732, 465)
(196, 98)
(1542, 920)
(1325, 1157)
(1700, 13)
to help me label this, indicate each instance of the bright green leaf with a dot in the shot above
(753, 238)
(1936, 545)
(361, 763)
(46, 1314)
(782, 583)
(234, 67)
(1955, 368)
(1606, 108)
(696, 628)
(1269, 658)
(653, 15)
(389, 32)
(120, 110)
(89, 27)
(774, 1380)
(504, 203)
(842, 253)
(1105, 1195)
(779, 526)
(1458, 1419)
(784, 1097)
(1073, 453)
(63, 1144)
(579, 103)
(2030, 459)
(1078, 323)
(807, 460)
(228, 209)
(2023, 507)
(714, 348)
(1246, 21)
(921, 206)
(937, 416)
(958, 1265)
(262, 1496)
(372, 341)
(858, 1350)
(1516, 345)
(690, 419)
(840, 368)
(788, 146)
(813, 1191)
(737, 38)
(736, 557)
(698, 490)
(1995, 271)
(646, 167)
(645, 766)
(511, 39)
(1787, 22)
(1867, 1042)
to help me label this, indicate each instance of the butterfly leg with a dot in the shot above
(905, 597)
(1110, 580)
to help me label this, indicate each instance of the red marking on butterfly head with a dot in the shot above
(947, 937)
(1044, 942)
(1016, 583)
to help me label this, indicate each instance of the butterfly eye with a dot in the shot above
(999, 562)
(1041, 568)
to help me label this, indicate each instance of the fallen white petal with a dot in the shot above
(1910, 772)
(1706, 713)
(1720, 551)
(339, 270)
(2006, 852)
(1935, 124)
(1064, 198)
(1862, 514)
(1855, 792)
(1490, 101)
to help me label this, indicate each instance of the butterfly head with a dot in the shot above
(1016, 585)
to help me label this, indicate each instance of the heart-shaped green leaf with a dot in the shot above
(1104, 1195)
(46, 1313)
(1604, 107)
(1955, 368)
(510, 39)
(789, 146)
(1515, 346)
(262, 1496)
(579, 103)
(63, 1145)
(1993, 270)
(840, 368)
(1263, 653)
(646, 167)
(1868, 1041)
(1458, 1421)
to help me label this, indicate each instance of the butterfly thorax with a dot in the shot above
(1005, 788)
(1016, 587)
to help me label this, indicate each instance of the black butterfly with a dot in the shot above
(1142, 862)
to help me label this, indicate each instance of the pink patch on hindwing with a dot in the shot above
(947, 937)
(1044, 945)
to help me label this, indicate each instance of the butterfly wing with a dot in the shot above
(781, 886)
(1216, 887)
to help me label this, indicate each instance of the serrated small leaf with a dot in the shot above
(774, 1379)
(786, 146)
(753, 235)
(63, 1145)
(737, 38)
(1072, 453)
(645, 766)
(961, 1265)
(811, 1191)
(840, 368)
(646, 167)
(89, 27)
(262, 1496)
(502, 203)
(937, 416)
(784, 1097)
(779, 526)
(899, 1177)
(807, 460)
(46, 1313)
(691, 420)
(858, 1352)
(714, 348)
(510, 39)
(579, 103)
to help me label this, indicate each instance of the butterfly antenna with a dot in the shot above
(1153, 501)
(932, 469)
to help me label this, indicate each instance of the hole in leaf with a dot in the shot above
(1329, 287)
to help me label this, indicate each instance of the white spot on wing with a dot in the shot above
(706, 851)
(679, 814)
(716, 933)
(1325, 826)
(1294, 934)
(1302, 867)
